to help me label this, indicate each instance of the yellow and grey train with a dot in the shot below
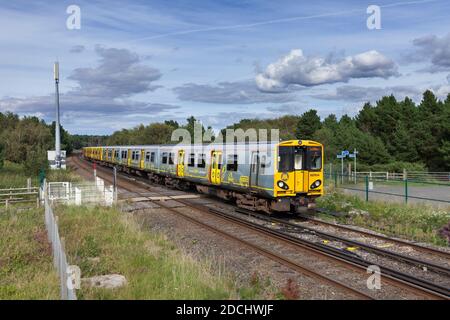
(269, 177)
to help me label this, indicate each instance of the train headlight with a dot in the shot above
(282, 185)
(316, 184)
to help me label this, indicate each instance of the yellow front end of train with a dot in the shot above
(299, 171)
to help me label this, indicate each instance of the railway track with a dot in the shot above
(333, 256)
(369, 248)
(415, 246)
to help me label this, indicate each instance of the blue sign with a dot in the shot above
(345, 153)
(339, 156)
(352, 155)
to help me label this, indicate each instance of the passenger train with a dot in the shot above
(265, 176)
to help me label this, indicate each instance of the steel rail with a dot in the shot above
(378, 236)
(367, 247)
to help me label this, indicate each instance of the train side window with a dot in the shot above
(232, 162)
(263, 164)
(124, 154)
(152, 157)
(219, 164)
(255, 161)
(116, 154)
(147, 156)
(191, 162)
(171, 156)
(164, 158)
(201, 163)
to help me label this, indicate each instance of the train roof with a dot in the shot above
(281, 143)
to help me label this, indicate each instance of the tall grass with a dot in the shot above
(154, 268)
(26, 269)
(13, 175)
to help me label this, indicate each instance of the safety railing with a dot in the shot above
(19, 195)
(59, 254)
(81, 193)
(378, 187)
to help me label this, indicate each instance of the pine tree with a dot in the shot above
(308, 124)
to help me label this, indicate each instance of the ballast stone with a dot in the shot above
(109, 281)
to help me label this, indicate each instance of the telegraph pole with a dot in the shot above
(57, 130)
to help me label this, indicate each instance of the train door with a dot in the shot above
(129, 158)
(180, 163)
(216, 166)
(142, 162)
(254, 169)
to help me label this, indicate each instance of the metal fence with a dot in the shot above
(387, 187)
(433, 177)
(19, 195)
(81, 193)
(59, 254)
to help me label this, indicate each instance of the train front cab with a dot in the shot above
(299, 172)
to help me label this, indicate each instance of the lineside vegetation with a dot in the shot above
(26, 267)
(105, 241)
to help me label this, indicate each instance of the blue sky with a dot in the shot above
(144, 61)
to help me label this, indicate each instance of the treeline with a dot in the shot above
(80, 141)
(155, 133)
(26, 141)
(390, 135)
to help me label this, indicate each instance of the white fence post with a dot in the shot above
(109, 196)
(77, 196)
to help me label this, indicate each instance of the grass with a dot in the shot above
(152, 265)
(412, 221)
(13, 175)
(67, 175)
(26, 268)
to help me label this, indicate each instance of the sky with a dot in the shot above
(221, 61)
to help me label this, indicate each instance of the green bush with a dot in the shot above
(394, 166)
(2, 156)
(36, 160)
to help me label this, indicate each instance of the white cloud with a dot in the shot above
(298, 69)
(118, 74)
